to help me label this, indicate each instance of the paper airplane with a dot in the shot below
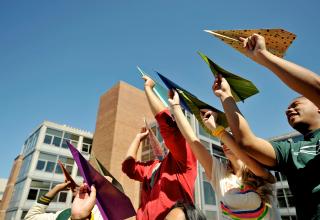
(277, 40)
(112, 203)
(154, 142)
(241, 88)
(161, 92)
(194, 105)
(67, 176)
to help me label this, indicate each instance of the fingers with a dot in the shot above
(207, 114)
(145, 77)
(92, 198)
(244, 41)
(83, 191)
(171, 93)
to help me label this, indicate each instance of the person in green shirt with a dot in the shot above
(300, 160)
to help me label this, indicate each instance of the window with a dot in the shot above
(217, 150)
(46, 162)
(31, 142)
(281, 198)
(67, 163)
(78, 173)
(50, 166)
(209, 195)
(290, 197)
(25, 167)
(277, 174)
(56, 141)
(39, 188)
(53, 137)
(86, 146)
(16, 195)
(48, 139)
(40, 165)
(33, 193)
(72, 138)
(63, 196)
(24, 213)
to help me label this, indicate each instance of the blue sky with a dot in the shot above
(58, 57)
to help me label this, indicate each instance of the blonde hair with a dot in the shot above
(260, 185)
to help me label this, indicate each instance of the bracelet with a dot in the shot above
(174, 105)
(218, 132)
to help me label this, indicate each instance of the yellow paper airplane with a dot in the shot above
(277, 40)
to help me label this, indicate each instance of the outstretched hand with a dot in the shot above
(221, 87)
(255, 46)
(173, 97)
(148, 81)
(83, 203)
(143, 133)
(208, 118)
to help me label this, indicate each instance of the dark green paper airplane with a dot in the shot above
(241, 88)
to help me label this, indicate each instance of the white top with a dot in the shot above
(236, 200)
(38, 212)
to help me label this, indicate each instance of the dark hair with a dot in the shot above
(191, 212)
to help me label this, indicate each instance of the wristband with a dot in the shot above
(45, 200)
(218, 131)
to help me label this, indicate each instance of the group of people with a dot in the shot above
(244, 186)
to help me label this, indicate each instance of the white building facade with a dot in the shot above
(40, 171)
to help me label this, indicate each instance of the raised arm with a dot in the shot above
(135, 144)
(258, 148)
(251, 163)
(154, 102)
(130, 166)
(196, 146)
(37, 211)
(298, 78)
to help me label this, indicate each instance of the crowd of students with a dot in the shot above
(244, 186)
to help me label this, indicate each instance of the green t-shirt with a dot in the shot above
(300, 162)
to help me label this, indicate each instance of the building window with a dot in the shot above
(290, 197)
(86, 145)
(46, 162)
(40, 188)
(24, 213)
(16, 195)
(48, 139)
(61, 196)
(209, 195)
(281, 198)
(72, 138)
(25, 166)
(31, 142)
(67, 163)
(53, 137)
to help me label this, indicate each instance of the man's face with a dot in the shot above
(301, 113)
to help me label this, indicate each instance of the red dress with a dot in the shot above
(173, 181)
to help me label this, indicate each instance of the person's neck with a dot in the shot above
(307, 129)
